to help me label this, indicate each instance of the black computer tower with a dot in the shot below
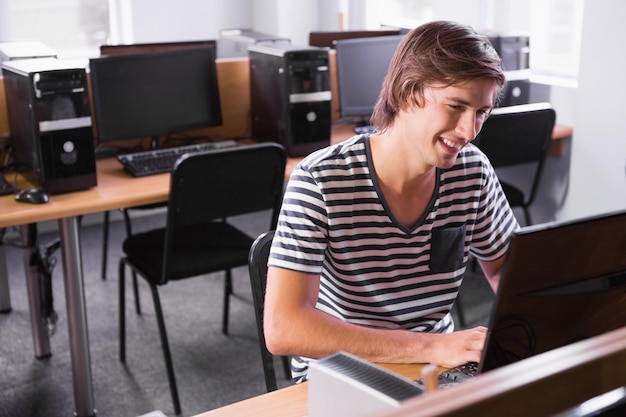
(50, 123)
(290, 96)
(516, 91)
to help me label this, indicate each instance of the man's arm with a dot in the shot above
(293, 326)
(493, 271)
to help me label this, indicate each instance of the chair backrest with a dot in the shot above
(518, 135)
(257, 265)
(214, 185)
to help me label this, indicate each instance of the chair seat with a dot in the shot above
(200, 249)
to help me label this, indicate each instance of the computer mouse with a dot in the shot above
(32, 196)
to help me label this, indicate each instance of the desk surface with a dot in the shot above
(115, 189)
(531, 387)
(291, 401)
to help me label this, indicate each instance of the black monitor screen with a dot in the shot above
(155, 93)
(361, 68)
(561, 283)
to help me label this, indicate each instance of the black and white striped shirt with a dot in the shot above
(374, 270)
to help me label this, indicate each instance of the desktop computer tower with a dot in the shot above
(514, 50)
(50, 123)
(516, 91)
(290, 96)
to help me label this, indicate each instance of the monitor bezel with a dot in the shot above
(127, 54)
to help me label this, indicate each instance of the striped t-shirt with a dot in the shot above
(374, 270)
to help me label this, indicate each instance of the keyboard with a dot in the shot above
(457, 375)
(159, 161)
(454, 376)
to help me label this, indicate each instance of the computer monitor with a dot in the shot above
(151, 94)
(362, 64)
(562, 282)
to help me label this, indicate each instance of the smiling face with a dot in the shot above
(448, 118)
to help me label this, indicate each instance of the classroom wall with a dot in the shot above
(183, 20)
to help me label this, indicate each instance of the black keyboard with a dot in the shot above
(454, 376)
(458, 374)
(159, 161)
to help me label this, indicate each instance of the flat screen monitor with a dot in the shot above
(152, 94)
(362, 64)
(561, 283)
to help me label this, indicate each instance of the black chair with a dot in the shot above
(516, 136)
(257, 264)
(129, 231)
(206, 189)
(519, 136)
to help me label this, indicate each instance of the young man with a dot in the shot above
(375, 232)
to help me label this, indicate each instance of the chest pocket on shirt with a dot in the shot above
(446, 249)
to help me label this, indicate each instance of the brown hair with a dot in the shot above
(435, 52)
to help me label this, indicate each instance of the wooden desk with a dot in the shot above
(115, 190)
(291, 401)
(542, 385)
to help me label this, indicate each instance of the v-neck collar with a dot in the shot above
(374, 178)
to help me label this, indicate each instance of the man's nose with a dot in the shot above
(468, 126)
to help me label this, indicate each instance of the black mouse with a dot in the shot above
(32, 195)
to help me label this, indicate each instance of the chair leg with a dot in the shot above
(105, 244)
(129, 232)
(136, 293)
(228, 290)
(122, 311)
(166, 349)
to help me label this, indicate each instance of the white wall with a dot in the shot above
(183, 20)
(295, 19)
(163, 20)
(598, 176)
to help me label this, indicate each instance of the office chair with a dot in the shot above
(205, 190)
(257, 264)
(514, 136)
(519, 136)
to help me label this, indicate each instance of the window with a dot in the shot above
(555, 30)
(70, 27)
(554, 26)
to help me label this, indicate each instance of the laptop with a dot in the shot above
(562, 282)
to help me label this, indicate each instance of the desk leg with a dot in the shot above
(38, 324)
(76, 316)
(5, 294)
